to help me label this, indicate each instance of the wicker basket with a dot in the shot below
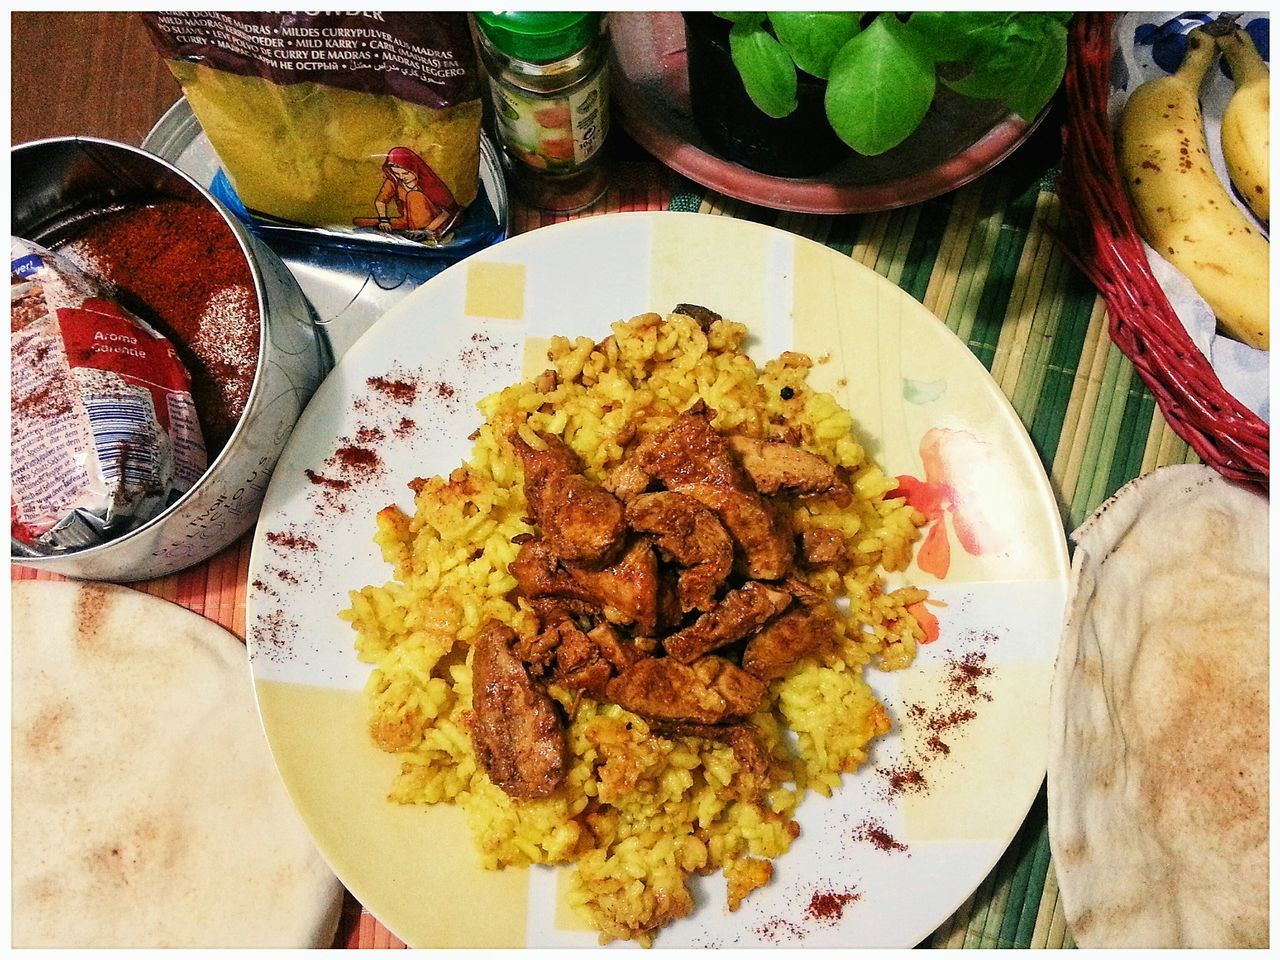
(1106, 246)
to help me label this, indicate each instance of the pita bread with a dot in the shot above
(146, 808)
(1158, 755)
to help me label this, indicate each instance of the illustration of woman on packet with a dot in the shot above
(412, 198)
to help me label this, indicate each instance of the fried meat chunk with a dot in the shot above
(538, 576)
(579, 665)
(821, 547)
(517, 734)
(782, 641)
(741, 612)
(551, 610)
(775, 467)
(580, 520)
(575, 659)
(618, 651)
(690, 457)
(690, 535)
(710, 690)
(627, 481)
(704, 317)
(628, 589)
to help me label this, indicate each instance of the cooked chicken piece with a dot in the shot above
(620, 653)
(705, 318)
(688, 534)
(579, 665)
(783, 433)
(580, 521)
(744, 738)
(515, 729)
(538, 652)
(738, 614)
(552, 610)
(776, 466)
(578, 660)
(762, 534)
(628, 590)
(538, 575)
(689, 457)
(804, 593)
(784, 640)
(670, 613)
(627, 481)
(710, 690)
(689, 451)
(821, 547)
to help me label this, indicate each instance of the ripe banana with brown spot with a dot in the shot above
(1181, 206)
(1246, 123)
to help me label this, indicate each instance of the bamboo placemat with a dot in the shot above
(984, 260)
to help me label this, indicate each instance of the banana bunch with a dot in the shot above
(1246, 134)
(1181, 206)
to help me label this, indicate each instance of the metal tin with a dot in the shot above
(58, 181)
(350, 289)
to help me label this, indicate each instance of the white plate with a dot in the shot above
(905, 376)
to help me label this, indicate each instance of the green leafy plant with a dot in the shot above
(882, 71)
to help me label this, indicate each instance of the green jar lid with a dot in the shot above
(539, 37)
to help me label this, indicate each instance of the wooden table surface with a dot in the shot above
(95, 74)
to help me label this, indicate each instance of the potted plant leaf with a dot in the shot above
(792, 93)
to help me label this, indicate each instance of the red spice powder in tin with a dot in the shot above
(178, 265)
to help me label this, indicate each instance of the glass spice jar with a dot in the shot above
(548, 79)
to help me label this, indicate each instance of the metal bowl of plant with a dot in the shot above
(835, 112)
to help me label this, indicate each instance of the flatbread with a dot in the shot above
(1158, 755)
(146, 808)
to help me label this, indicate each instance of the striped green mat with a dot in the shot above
(983, 260)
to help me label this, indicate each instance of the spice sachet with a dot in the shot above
(362, 123)
(104, 433)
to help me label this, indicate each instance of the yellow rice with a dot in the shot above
(637, 815)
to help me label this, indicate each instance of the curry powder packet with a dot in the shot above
(363, 123)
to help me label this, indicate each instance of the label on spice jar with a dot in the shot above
(555, 134)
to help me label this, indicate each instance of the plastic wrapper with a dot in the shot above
(363, 126)
(104, 433)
